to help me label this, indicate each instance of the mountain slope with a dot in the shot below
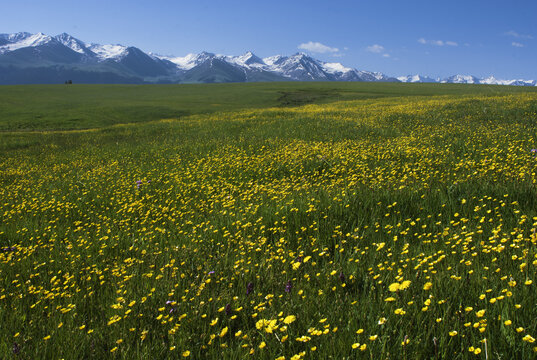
(214, 70)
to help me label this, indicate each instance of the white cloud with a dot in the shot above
(377, 49)
(517, 44)
(317, 47)
(517, 35)
(437, 42)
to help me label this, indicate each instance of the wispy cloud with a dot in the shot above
(437, 42)
(517, 44)
(377, 49)
(317, 47)
(517, 35)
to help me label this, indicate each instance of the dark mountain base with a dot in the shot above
(12, 75)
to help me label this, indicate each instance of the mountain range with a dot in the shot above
(27, 58)
(466, 79)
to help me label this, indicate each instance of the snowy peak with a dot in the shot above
(190, 61)
(184, 63)
(22, 40)
(417, 79)
(12, 38)
(298, 66)
(491, 80)
(204, 56)
(249, 58)
(274, 60)
(461, 79)
(73, 43)
(105, 52)
(12, 42)
(467, 79)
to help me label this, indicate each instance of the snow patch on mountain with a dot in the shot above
(491, 80)
(72, 43)
(248, 59)
(105, 52)
(190, 61)
(417, 79)
(461, 79)
(11, 38)
(467, 79)
(271, 60)
(23, 40)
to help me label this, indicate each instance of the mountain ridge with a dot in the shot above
(63, 57)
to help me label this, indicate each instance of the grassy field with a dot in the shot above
(50, 107)
(288, 221)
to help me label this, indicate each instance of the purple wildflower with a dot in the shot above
(249, 288)
(138, 183)
(171, 303)
(288, 286)
(211, 272)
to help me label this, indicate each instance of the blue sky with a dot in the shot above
(433, 37)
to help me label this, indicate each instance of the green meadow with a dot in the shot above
(67, 107)
(268, 221)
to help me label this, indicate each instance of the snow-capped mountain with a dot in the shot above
(248, 59)
(187, 62)
(417, 79)
(74, 44)
(65, 56)
(40, 58)
(299, 66)
(466, 79)
(491, 80)
(461, 79)
(104, 52)
(12, 42)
